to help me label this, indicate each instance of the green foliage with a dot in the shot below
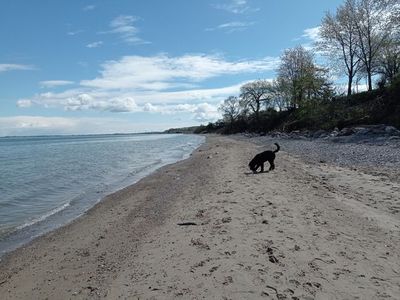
(211, 127)
(327, 113)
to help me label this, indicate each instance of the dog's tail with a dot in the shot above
(277, 148)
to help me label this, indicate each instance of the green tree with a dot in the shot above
(300, 79)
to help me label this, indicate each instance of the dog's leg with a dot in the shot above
(272, 165)
(262, 168)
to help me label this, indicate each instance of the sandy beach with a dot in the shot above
(207, 228)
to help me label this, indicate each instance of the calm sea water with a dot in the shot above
(47, 181)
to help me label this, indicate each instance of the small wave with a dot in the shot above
(102, 171)
(43, 217)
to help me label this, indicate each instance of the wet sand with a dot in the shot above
(304, 231)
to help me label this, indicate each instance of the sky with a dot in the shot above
(121, 66)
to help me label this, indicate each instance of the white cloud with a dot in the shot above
(87, 101)
(158, 84)
(148, 107)
(124, 26)
(14, 67)
(202, 112)
(235, 6)
(309, 37)
(312, 34)
(191, 96)
(54, 83)
(157, 73)
(206, 113)
(117, 101)
(24, 103)
(89, 7)
(72, 33)
(94, 44)
(232, 26)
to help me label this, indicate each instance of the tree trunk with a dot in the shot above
(349, 85)
(369, 81)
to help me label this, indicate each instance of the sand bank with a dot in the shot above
(303, 231)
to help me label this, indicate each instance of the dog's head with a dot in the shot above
(252, 166)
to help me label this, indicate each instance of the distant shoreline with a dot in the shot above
(85, 134)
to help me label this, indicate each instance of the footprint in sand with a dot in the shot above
(199, 244)
(311, 287)
(226, 220)
(228, 280)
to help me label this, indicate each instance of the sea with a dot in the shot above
(47, 181)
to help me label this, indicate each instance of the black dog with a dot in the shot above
(261, 158)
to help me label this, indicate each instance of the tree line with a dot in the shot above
(360, 40)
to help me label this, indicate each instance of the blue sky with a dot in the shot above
(72, 67)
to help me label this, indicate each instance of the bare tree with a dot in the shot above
(230, 109)
(375, 21)
(339, 40)
(252, 94)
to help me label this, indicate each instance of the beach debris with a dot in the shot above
(187, 224)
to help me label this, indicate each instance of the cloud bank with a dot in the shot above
(155, 84)
(163, 72)
(39, 125)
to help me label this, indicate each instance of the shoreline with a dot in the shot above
(76, 207)
(95, 218)
(303, 230)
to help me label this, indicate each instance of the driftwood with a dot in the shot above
(187, 224)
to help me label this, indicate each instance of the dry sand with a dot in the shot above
(303, 231)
